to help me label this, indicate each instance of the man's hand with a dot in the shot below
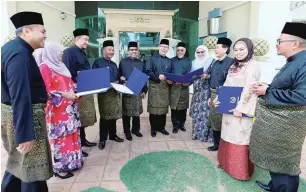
(162, 77)
(69, 95)
(209, 102)
(204, 76)
(143, 95)
(236, 113)
(122, 78)
(169, 82)
(26, 147)
(259, 89)
(215, 102)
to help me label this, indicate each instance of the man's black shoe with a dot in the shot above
(175, 130)
(88, 144)
(138, 134)
(116, 138)
(263, 186)
(84, 154)
(101, 145)
(129, 137)
(213, 148)
(164, 132)
(153, 133)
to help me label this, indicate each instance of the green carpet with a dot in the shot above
(96, 189)
(183, 171)
(167, 171)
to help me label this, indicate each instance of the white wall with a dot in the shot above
(257, 19)
(240, 13)
(269, 27)
(235, 18)
(4, 21)
(55, 26)
(299, 13)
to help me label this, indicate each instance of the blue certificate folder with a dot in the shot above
(188, 78)
(98, 81)
(93, 81)
(228, 98)
(134, 84)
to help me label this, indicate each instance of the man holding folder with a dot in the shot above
(110, 106)
(217, 75)
(76, 60)
(179, 93)
(158, 96)
(131, 105)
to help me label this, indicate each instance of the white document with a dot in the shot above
(92, 92)
(122, 88)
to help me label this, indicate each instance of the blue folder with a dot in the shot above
(228, 98)
(188, 78)
(134, 84)
(93, 81)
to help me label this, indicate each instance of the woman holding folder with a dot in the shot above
(199, 110)
(233, 152)
(62, 114)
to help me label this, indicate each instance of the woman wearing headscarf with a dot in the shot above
(62, 115)
(233, 152)
(199, 110)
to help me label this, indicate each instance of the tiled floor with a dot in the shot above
(101, 168)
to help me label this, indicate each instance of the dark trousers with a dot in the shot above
(10, 183)
(157, 122)
(216, 136)
(284, 183)
(107, 128)
(127, 126)
(178, 118)
(82, 135)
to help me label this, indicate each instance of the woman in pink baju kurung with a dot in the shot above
(62, 115)
(233, 152)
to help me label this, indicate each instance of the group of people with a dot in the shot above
(43, 121)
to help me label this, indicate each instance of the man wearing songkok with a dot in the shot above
(23, 99)
(110, 104)
(179, 93)
(216, 75)
(76, 60)
(279, 130)
(131, 105)
(158, 94)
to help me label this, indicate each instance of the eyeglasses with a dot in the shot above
(198, 52)
(278, 41)
(180, 50)
(133, 49)
(164, 46)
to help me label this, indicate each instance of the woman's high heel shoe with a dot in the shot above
(68, 175)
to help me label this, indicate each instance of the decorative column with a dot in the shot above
(210, 42)
(172, 47)
(67, 40)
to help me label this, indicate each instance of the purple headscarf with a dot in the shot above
(50, 57)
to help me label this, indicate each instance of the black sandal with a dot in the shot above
(68, 175)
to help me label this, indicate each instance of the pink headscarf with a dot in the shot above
(50, 57)
(38, 56)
